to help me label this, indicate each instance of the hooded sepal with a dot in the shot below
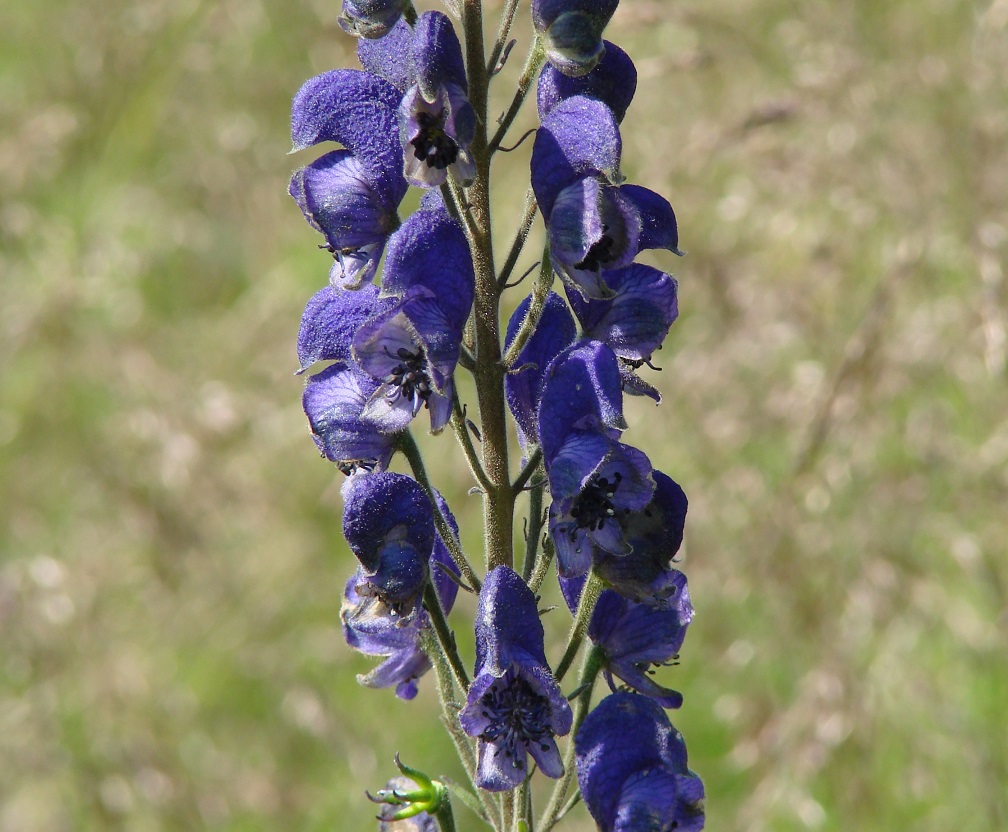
(371, 18)
(390, 56)
(330, 320)
(613, 81)
(572, 30)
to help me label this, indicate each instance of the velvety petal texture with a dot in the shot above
(523, 387)
(572, 31)
(581, 391)
(334, 402)
(436, 121)
(390, 56)
(370, 18)
(515, 706)
(636, 319)
(635, 637)
(388, 522)
(631, 767)
(613, 81)
(330, 320)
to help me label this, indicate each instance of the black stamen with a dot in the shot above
(433, 145)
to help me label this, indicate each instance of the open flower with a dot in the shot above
(436, 121)
(634, 637)
(375, 628)
(515, 706)
(594, 223)
(572, 31)
(413, 345)
(631, 767)
(352, 195)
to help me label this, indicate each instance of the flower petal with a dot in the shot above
(390, 56)
(613, 81)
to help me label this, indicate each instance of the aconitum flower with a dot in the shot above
(388, 522)
(613, 81)
(412, 347)
(350, 195)
(594, 224)
(631, 767)
(634, 637)
(515, 706)
(373, 627)
(436, 121)
(572, 31)
(523, 385)
(654, 536)
(370, 18)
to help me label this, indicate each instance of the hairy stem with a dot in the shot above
(450, 710)
(503, 30)
(458, 422)
(445, 637)
(409, 448)
(526, 473)
(535, 524)
(589, 671)
(586, 606)
(519, 241)
(529, 73)
(541, 290)
(498, 507)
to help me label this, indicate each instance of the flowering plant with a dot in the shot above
(416, 115)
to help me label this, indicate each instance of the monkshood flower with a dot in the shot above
(350, 195)
(634, 637)
(436, 121)
(580, 391)
(334, 399)
(613, 81)
(390, 56)
(654, 536)
(631, 767)
(634, 321)
(572, 31)
(515, 706)
(597, 484)
(388, 522)
(593, 222)
(370, 18)
(523, 386)
(413, 346)
(373, 627)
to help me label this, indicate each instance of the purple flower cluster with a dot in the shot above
(392, 327)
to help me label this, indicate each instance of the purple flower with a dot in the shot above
(631, 767)
(572, 30)
(436, 121)
(597, 485)
(375, 628)
(613, 81)
(390, 56)
(633, 637)
(523, 386)
(654, 535)
(593, 224)
(370, 18)
(388, 522)
(581, 391)
(412, 346)
(330, 320)
(349, 195)
(515, 706)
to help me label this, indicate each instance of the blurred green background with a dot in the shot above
(835, 407)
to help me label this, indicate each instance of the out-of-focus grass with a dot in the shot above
(835, 406)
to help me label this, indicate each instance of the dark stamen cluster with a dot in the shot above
(519, 716)
(409, 378)
(594, 504)
(600, 253)
(352, 466)
(433, 145)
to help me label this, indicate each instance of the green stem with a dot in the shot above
(586, 606)
(535, 518)
(458, 422)
(540, 292)
(409, 448)
(589, 671)
(526, 473)
(445, 818)
(542, 566)
(519, 241)
(445, 637)
(498, 506)
(450, 710)
(529, 73)
(503, 30)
